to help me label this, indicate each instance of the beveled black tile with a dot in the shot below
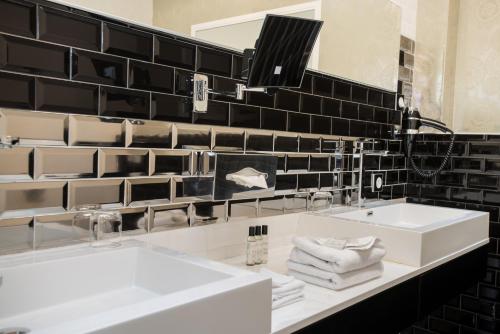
(299, 122)
(434, 192)
(260, 99)
(309, 145)
(380, 115)
(296, 163)
(18, 17)
(17, 91)
(172, 52)
(320, 164)
(213, 61)
(222, 84)
(492, 198)
(450, 179)
(171, 108)
(183, 82)
(306, 85)
(484, 149)
(259, 142)
(124, 103)
(217, 114)
(64, 96)
(99, 68)
(151, 77)
(310, 104)
(308, 181)
(286, 144)
(357, 129)
(340, 127)
(123, 41)
(350, 110)
(373, 130)
(466, 195)
(287, 100)
(237, 67)
(359, 94)
(69, 29)
(27, 56)
(492, 166)
(365, 113)
(394, 117)
(468, 164)
(389, 100)
(331, 107)
(375, 97)
(322, 86)
(149, 191)
(273, 119)
(321, 124)
(326, 180)
(342, 90)
(244, 116)
(286, 182)
(482, 181)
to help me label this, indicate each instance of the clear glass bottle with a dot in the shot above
(258, 241)
(265, 244)
(251, 246)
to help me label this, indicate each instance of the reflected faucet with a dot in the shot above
(8, 141)
(101, 224)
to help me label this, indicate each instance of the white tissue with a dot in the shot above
(249, 177)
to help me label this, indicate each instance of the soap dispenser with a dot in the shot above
(258, 241)
(251, 246)
(264, 245)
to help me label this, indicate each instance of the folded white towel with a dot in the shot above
(363, 243)
(341, 261)
(293, 286)
(287, 300)
(333, 280)
(279, 280)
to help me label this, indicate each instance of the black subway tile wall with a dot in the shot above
(471, 181)
(74, 78)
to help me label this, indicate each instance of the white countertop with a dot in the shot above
(320, 302)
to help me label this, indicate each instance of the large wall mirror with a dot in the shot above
(442, 55)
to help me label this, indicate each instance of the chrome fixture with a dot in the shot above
(369, 213)
(359, 146)
(8, 141)
(101, 224)
(319, 198)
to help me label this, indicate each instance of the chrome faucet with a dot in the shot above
(101, 224)
(362, 152)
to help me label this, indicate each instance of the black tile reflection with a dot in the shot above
(297, 163)
(260, 99)
(434, 192)
(319, 164)
(18, 18)
(321, 124)
(64, 96)
(389, 100)
(380, 115)
(224, 85)
(308, 181)
(217, 114)
(375, 97)
(482, 181)
(151, 77)
(306, 85)
(183, 85)
(286, 144)
(310, 104)
(394, 117)
(287, 100)
(127, 42)
(230, 140)
(273, 119)
(328, 145)
(484, 149)
(464, 195)
(331, 107)
(342, 90)
(311, 145)
(286, 182)
(149, 191)
(365, 113)
(213, 61)
(326, 180)
(258, 142)
(193, 138)
(431, 163)
(359, 94)
(299, 122)
(244, 116)
(237, 67)
(124, 103)
(17, 91)
(171, 164)
(172, 52)
(391, 177)
(22, 55)
(99, 68)
(322, 86)
(347, 179)
(357, 129)
(171, 108)
(373, 130)
(386, 162)
(126, 165)
(340, 127)
(492, 198)
(469, 164)
(69, 29)
(350, 110)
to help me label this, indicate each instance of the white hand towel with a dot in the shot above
(343, 260)
(279, 280)
(363, 243)
(287, 300)
(331, 280)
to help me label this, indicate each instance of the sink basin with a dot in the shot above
(413, 234)
(130, 289)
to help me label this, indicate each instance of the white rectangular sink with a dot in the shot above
(130, 289)
(413, 234)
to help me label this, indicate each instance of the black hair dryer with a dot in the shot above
(410, 127)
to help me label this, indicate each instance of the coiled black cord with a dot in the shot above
(429, 174)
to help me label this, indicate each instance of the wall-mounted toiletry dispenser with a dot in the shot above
(244, 176)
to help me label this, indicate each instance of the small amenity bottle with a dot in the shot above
(264, 245)
(251, 246)
(258, 239)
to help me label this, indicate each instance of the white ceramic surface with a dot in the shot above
(413, 234)
(130, 289)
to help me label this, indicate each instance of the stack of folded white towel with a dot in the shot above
(336, 263)
(286, 290)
